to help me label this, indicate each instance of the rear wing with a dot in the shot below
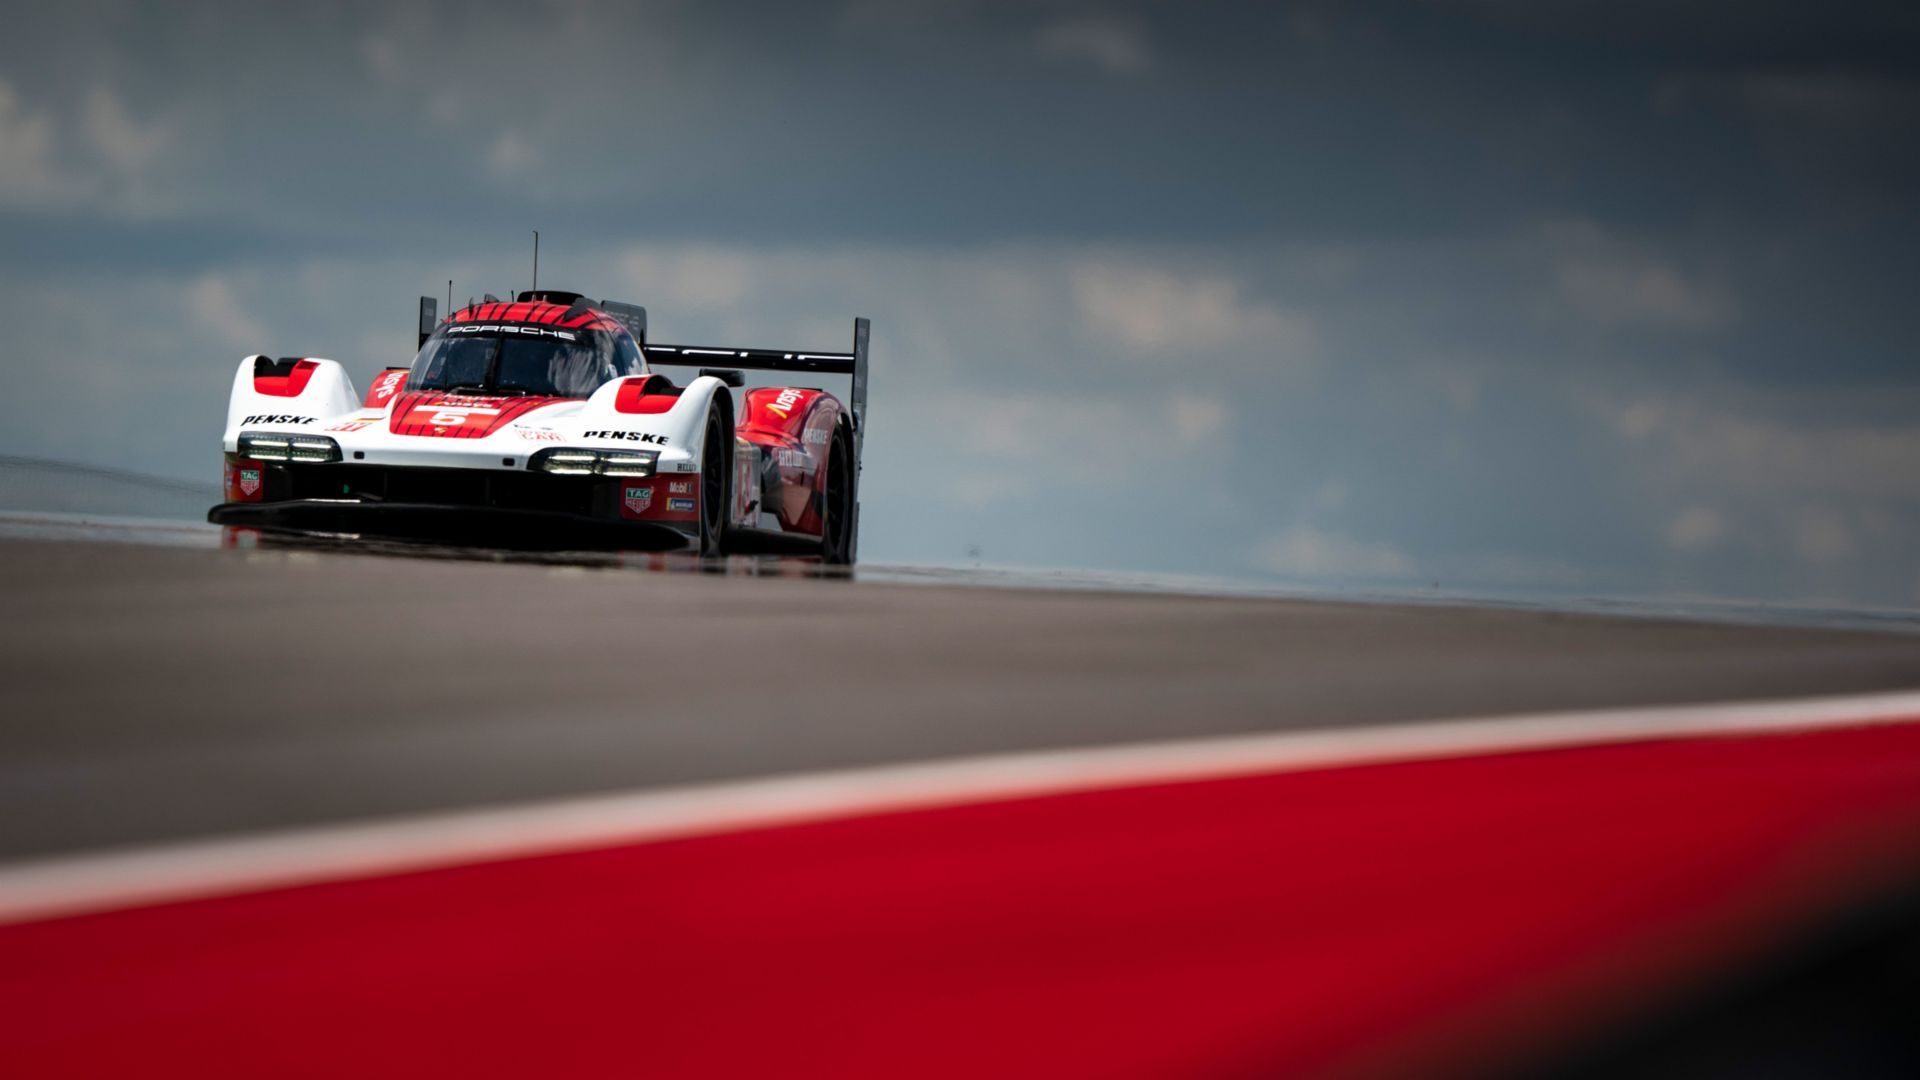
(851, 364)
(634, 318)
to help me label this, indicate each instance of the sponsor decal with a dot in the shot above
(444, 415)
(680, 487)
(276, 418)
(793, 459)
(505, 328)
(538, 434)
(355, 424)
(815, 436)
(638, 499)
(385, 385)
(459, 416)
(249, 480)
(680, 504)
(686, 466)
(784, 404)
(629, 436)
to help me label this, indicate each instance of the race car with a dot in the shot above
(542, 420)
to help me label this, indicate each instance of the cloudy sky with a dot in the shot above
(1499, 296)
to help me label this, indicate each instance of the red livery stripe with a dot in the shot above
(458, 416)
(538, 313)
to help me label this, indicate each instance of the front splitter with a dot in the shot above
(465, 525)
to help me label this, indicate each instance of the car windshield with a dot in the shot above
(508, 359)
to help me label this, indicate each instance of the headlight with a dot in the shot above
(567, 462)
(594, 462)
(626, 462)
(302, 448)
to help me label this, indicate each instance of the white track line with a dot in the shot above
(121, 878)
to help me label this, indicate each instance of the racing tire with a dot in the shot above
(837, 523)
(716, 483)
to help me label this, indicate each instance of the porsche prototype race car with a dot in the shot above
(543, 417)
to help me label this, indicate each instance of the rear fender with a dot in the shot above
(791, 429)
(786, 412)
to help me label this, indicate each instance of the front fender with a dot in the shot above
(675, 424)
(291, 394)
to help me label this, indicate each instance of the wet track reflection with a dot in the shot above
(168, 533)
(657, 562)
(575, 551)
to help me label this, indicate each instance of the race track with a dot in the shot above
(173, 692)
(287, 810)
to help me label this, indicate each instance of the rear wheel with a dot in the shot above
(716, 476)
(836, 532)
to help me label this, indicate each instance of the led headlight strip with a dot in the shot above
(594, 462)
(263, 446)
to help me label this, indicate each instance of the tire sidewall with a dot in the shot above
(714, 458)
(839, 524)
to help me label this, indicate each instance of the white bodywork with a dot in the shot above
(328, 406)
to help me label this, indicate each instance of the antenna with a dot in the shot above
(449, 298)
(536, 260)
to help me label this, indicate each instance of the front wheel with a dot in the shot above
(716, 479)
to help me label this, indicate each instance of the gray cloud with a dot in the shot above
(1116, 45)
(1610, 301)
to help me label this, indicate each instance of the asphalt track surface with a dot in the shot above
(156, 693)
(1496, 895)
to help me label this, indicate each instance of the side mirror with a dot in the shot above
(730, 376)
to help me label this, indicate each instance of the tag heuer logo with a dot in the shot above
(249, 481)
(639, 498)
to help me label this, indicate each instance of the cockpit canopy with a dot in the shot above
(524, 359)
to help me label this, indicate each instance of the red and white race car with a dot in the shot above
(541, 420)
